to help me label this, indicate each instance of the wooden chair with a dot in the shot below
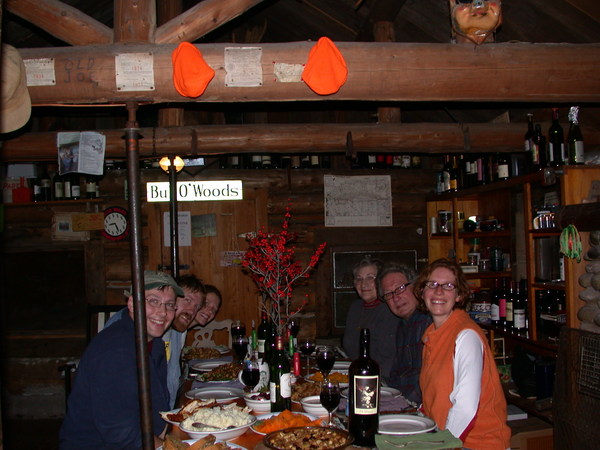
(204, 336)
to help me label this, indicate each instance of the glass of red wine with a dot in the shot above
(325, 360)
(238, 328)
(307, 346)
(250, 373)
(330, 397)
(240, 346)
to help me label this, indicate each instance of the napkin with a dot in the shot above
(430, 441)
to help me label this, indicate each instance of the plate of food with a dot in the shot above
(302, 390)
(341, 378)
(318, 438)
(224, 422)
(177, 415)
(267, 423)
(218, 394)
(206, 366)
(190, 353)
(401, 424)
(220, 373)
(259, 402)
(210, 441)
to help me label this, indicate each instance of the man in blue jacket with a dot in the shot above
(103, 408)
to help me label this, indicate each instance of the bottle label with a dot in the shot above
(75, 191)
(502, 307)
(261, 345)
(502, 170)
(578, 154)
(59, 190)
(495, 313)
(286, 385)
(535, 153)
(509, 311)
(519, 317)
(366, 394)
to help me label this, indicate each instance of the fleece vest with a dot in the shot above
(488, 429)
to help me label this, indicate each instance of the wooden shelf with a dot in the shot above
(545, 232)
(544, 348)
(56, 202)
(487, 275)
(484, 234)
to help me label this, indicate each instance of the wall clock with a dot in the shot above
(116, 223)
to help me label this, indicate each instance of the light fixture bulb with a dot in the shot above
(165, 163)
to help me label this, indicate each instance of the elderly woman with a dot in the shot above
(369, 311)
(459, 379)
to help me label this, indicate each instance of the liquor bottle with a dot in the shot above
(286, 161)
(305, 161)
(502, 302)
(503, 168)
(532, 157)
(454, 175)
(363, 394)
(415, 162)
(37, 190)
(90, 186)
(405, 162)
(325, 161)
(495, 309)
(315, 162)
(261, 335)
(556, 141)
(256, 162)
(446, 169)
(575, 138)
(462, 182)
(270, 343)
(233, 162)
(295, 161)
(266, 162)
(397, 162)
(45, 185)
(509, 321)
(389, 161)
(539, 147)
(482, 170)
(75, 187)
(58, 187)
(380, 161)
(371, 161)
(519, 309)
(67, 187)
(280, 385)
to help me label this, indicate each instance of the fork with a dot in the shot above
(406, 444)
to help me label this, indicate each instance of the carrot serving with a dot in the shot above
(285, 419)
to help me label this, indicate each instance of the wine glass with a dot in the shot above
(307, 346)
(251, 373)
(330, 397)
(238, 328)
(325, 360)
(240, 346)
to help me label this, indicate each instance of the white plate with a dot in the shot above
(221, 395)
(269, 415)
(163, 414)
(222, 349)
(207, 366)
(218, 441)
(341, 366)
(225, 434)
(400, 424)
(385, 391)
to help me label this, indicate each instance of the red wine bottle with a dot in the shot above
(363, 395)
(280, 385)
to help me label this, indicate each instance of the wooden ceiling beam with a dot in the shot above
(62, 21)
(135, 21)
(378, 71)
(201, 19)
(426, 138)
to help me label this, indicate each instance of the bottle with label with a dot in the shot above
(315, 161)
(305, 161)
(519, 309)
(575, 138)
(261, 335)
(539, 147)
(454, 186)
(280, 384)
(256, 162)
(286, 161)
(495, 308)
(58, 187)
(270, 343)
(363, 394)
(503, 167)
(510, 297)
(532, 156)
(233, 162)
(266, 162)
(75, 187)
(37, 190)
(446, 169)
(90, 186)
(556, 141)
(371, 161)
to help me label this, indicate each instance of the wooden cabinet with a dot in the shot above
(514, 205)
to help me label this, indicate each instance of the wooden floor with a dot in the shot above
(22, 434)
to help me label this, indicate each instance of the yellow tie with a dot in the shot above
(168, 349)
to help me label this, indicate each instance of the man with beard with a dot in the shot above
(103, 408)
(188, 305)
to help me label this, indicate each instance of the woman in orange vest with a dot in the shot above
(459, 379)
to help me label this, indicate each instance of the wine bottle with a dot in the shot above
(90, 186)
(286, 161)
(371, 161)
(280, 385)
(532, 157)
(315, 161)
(454, 175)
(45, 185)
(539, 147)
(556, 141)
(75, 187)
(256, 162)
(503, 168)
(266, 162)
(446, 169)
(510, 296)
(575, 138)
(363, 394)
(37, 190)
(519, 309)
(58, 186)
(261, 335)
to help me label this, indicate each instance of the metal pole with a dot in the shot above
(174, 218)
(137, 268)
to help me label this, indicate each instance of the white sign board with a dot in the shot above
(196, 191)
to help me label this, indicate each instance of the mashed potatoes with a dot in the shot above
(221, 417)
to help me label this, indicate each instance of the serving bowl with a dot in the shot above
(224, 435)
(312, 405)
(259, 406)
(341, 438)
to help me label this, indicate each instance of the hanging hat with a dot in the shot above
(326, 71)
(15, 108)
(191, 74)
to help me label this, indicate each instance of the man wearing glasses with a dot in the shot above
(396, 290)
(103, 408)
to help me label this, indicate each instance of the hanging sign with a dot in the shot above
(196, 191)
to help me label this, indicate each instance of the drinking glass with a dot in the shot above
(330, 397)
(238, 328)
(251, 373)
(307, 346)
(325, 359)
(240, 346)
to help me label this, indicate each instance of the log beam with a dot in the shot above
(379, 71)
(426, 138)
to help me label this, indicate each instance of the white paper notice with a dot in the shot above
(40, 72)
(288, 73)
(184, 228)
(81, 152)
(243, 66)
(358, 201)
(134, 72)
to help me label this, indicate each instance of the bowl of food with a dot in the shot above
(259, 402)
(317, 438)
(224, 422)
(312, 405)
(267, 423)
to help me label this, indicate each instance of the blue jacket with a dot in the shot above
(103, 408)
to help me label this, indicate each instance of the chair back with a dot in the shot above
(576, 414)
(204, 336)
(97, 316)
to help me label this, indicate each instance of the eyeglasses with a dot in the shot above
(155, 303)
(444, 286)
(399, 290)
(368, 279)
